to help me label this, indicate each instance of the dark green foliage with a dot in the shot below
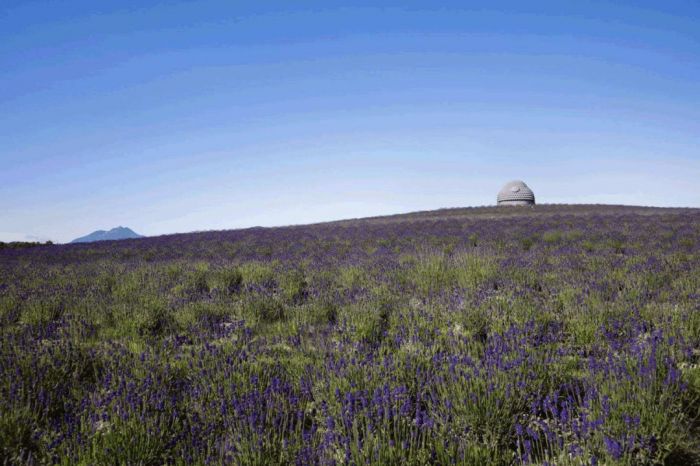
(154, 319)
(552, 237)
(617, 245)
(265, 308)
(294, 286)
(127, 443)
(328, 312)
(18, 442)
(528, 242)
(197, 281)
(232, 280)
(376, 331)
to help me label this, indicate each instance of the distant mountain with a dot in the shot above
(102, 235)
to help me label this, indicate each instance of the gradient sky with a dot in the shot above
(181, 116)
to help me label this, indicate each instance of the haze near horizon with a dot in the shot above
(181, 116)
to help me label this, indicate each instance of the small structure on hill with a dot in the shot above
(515, 193)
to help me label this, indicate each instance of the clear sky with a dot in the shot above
(180, 116)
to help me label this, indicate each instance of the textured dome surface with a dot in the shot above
(515, 193)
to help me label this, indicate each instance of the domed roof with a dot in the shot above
(516, 192)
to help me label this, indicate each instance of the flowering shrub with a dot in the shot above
(553, 335)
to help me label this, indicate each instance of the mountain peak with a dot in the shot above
(116, 233)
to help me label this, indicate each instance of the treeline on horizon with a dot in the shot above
(23, 244)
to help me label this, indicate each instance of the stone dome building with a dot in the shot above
(516, 193)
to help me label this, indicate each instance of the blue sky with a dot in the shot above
(181, 116)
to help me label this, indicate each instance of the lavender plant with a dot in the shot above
(565, 335)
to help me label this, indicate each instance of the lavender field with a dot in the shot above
(565, 335)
